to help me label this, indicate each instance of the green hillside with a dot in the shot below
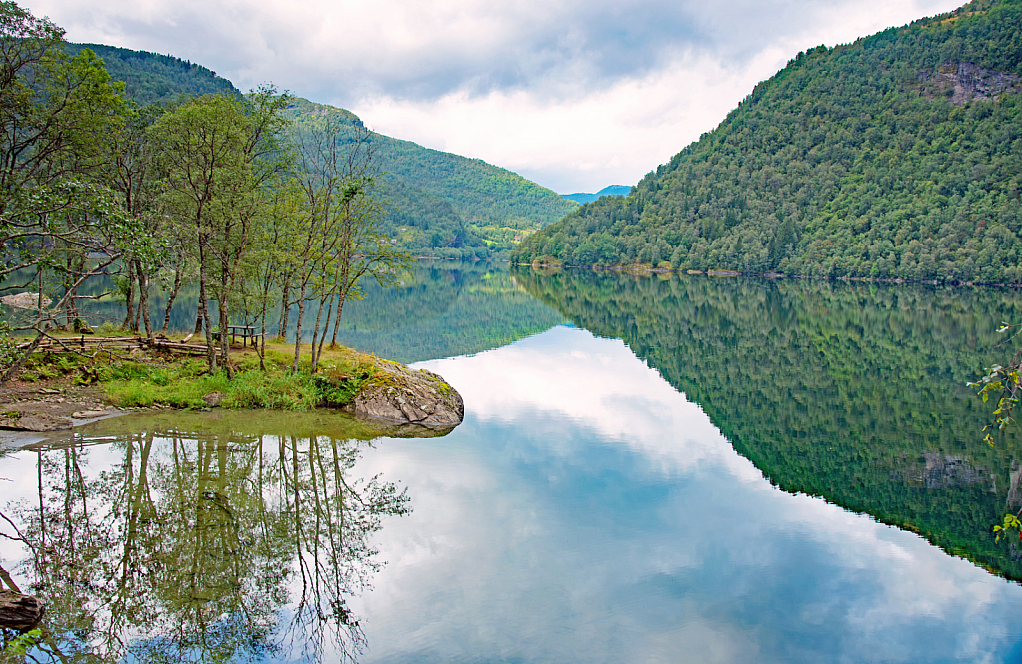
(897, 156)
(483, 194)
(150, 78)
(446, 205)
(849, 391)
(441, 204)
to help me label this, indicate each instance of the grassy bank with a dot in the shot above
(152, 378)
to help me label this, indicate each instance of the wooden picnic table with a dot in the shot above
(246, 332)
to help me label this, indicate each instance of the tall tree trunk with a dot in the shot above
(225, 339)
(223, 310)
(315, 334)
(200, 312)
(204, 309)
(343, 287)
(298, 329)
(262, 335)
(129, 303)
(143, 299)
(71, 311)
(318, 351)
(39, 298)
(285, 309)
(170, 300)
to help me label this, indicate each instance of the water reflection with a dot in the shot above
(853, 392)
(188, 539)
(586, 511)
(439, 309)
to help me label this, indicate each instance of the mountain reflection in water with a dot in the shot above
(855, 392)
(183, 538)
(700, 469)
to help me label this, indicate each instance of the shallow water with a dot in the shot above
(590, 507)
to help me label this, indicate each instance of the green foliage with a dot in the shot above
(874, 159)
(183, 384)
(150, 78)
(17, 647)
(337, 386)
(136, 385)
(437, 198)
(8, 346)
(281, 390)
(853, 392)
(479, 192)
(1004, 383)
(45, 366)
(1011, 523)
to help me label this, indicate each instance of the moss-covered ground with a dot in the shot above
(159, 378)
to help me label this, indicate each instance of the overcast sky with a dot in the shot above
(573, 95)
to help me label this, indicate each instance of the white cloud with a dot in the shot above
(576, 95)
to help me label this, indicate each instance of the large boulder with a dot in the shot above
(398, 394)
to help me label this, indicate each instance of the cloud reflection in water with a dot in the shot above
(586, 511)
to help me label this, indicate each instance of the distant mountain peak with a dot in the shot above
(612, 190)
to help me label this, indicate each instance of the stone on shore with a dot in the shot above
(33, 421)
(402, 395)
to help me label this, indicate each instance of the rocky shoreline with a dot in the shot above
(397, 398)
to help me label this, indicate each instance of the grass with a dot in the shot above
(182, 382)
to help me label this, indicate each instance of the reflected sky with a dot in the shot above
(585, 511)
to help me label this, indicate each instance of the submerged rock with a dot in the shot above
(89, 414)
(402, 395)
(20, 612)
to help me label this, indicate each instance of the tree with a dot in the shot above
(130, 170)
(57, 115)
(217, 153)
(340, 239)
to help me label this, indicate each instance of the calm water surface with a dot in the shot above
(589, 509)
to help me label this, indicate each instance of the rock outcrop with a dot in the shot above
(402, 395)
(962, 82)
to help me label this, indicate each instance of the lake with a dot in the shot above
(651, 469)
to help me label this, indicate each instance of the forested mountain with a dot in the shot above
(150, 78)
(612, 190)
(897, 156)
(441, 204)
(852, 392)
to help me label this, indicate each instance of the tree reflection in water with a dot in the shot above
(201, 545)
